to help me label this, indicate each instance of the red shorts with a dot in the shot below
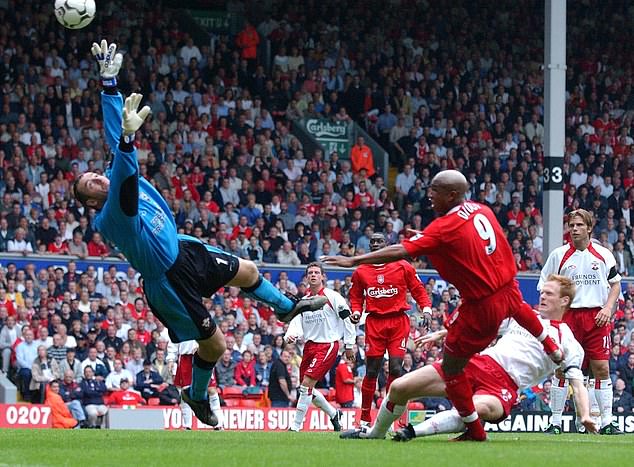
(474, 324)
(183, 377)
(487, 377)
(595, 341)
(387, 331)
(318, 359)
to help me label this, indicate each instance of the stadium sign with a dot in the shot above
(528, 422)
(332, 136)
(25, 416)
(221, 22)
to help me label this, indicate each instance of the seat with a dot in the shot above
(232, 392)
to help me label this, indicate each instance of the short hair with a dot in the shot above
(585, 216)
(567, 287)
(314, 264)
(79, 196)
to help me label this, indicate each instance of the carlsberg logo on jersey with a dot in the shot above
(324, 128)
(381, 292)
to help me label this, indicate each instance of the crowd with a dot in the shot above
(436, 87)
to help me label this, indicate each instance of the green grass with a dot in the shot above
(92, 448)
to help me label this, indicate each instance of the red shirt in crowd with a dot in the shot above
(126, 398)
(384, 288)
(344, 383)
(245, 373)
(468, 249)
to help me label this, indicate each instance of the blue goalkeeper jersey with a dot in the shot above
(142, 227)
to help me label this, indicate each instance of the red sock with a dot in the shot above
(460, 394)
(368, 387)
(526, 317)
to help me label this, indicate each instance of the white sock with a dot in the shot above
(385, 418)
(320, 401)
(603, 395)
(595, 412)
(214, 404)
(186, 412)
(448, 421)
(302, 406)
(558, 396)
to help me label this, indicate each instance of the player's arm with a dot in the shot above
(123, 193)
(109, 62)
(604, 317)
(385, 255)
(417, 289)
(355, 295)
(582, 405)
(571, 368)
(349, 329)
(294, 330)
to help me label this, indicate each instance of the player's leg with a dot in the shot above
(396, 347)
(214, 404)
(604, 395)
(489, 408)
(205, 358)
(558, 396)
(526, 317)
(423, 382)
(249, 279)
(368, 387)
(306, 389)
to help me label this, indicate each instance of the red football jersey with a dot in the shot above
(384, 287)
(468, 248)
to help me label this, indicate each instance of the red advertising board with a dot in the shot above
(25, 416)
(265, 419)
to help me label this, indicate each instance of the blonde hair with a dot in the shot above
(585, 216)
(567, 287)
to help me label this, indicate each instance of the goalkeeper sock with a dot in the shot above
(604, 398)
(214, 404)
(201, 375)
(388, 414)
(558, 396)
(186, 413)
(367, 396)
(266, 292)
(320, 401)
(305, 398)
(448, 421)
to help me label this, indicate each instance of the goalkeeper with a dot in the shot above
(178, 270)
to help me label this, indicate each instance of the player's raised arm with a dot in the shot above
(109, 62)
(124, 178)
(385, 255)
(355, 295)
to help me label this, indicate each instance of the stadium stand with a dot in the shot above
(435, 87)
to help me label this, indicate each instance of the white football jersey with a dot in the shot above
(593, 270)
(187, 347)
(523, 356)
(324, 325)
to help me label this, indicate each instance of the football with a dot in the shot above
(75, 14)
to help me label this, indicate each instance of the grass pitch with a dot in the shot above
(179, 448)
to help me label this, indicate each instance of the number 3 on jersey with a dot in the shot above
(486, 232)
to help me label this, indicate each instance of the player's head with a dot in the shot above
(556, 296)
(580, 225)
(91, 189)
(447, 190)
(377, 241)
(315, 274)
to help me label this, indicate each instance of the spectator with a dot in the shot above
(8, 336)
(344, 384)
(71, 393)
(114, 378)
(26, 353)
(41, 375)
(623, 401)
(148, 382)
(126, 396)
(362, 158)
(92, 391)
(245, 370)
(281, 392)
(60, 415)
(287, 256)
(225, 370)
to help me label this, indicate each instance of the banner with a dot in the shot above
(332, 136)
(221, 22)
(242, 419)
(528, 422)
(25, 416)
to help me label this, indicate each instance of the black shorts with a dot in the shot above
(198, 272)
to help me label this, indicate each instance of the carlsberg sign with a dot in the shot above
(332, 136)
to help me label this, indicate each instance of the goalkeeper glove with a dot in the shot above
(133, 119)
(109, 62)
